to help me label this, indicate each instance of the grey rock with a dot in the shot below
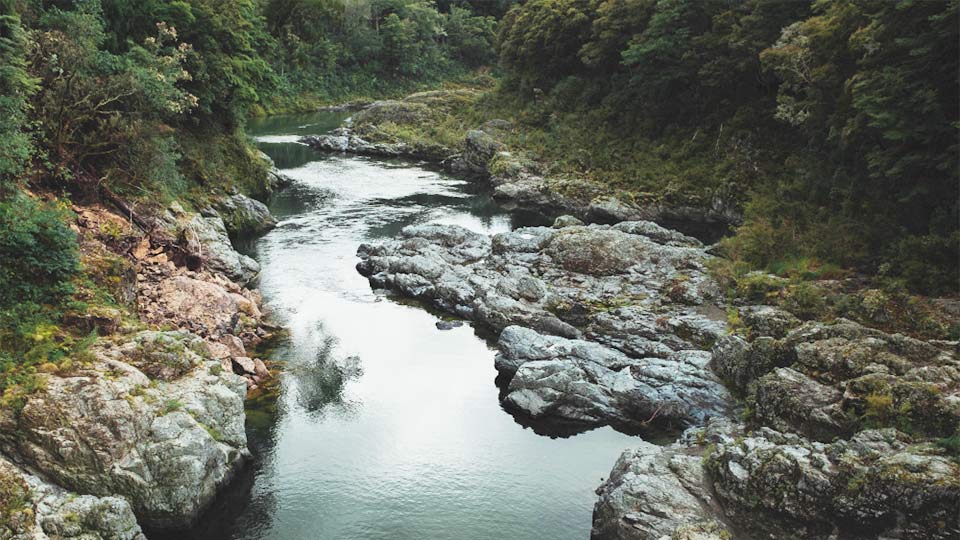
(656, 492)
(589, 384)
(448, 325)
(597, 285)
(786, 399)
(245, 216)
(768, 320)
(479, 148)
(52, 513)
(209, 235)
(566, 221)
(830, 380)
(167, 446)
(276, 180)
(739, 362)
(876, 485)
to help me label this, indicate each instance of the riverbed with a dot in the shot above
(384, 426)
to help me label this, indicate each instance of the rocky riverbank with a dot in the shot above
(518, 182)
(147, 427)
(824, 429)
(833, 434)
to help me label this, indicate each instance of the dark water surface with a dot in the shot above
(386, 427)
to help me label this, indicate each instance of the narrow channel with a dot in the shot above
(386, 427)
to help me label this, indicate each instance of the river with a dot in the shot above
(384, 426)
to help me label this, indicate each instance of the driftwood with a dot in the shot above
(183, 251)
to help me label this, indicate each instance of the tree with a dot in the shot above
(16, 86)
(469, 38)
(539, 42)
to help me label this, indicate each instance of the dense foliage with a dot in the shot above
(832, 124)
(102, 94)
(342, 47)
(15, 87)
(836, 122)
(146, 100)
(39, 252)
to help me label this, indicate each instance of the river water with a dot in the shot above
(385, 427)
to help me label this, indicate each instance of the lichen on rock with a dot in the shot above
(167, 444)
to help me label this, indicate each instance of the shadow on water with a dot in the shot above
(295, 124)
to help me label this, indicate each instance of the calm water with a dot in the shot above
(386, 427)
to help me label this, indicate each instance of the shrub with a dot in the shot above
(805, 301)
(760, 243)
(929, 264)
(38, 252)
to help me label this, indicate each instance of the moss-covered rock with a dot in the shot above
(109, 429)
(243, 216)
(878, 484)
(32, 509)
(844, 377)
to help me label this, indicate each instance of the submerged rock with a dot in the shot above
(167, 444)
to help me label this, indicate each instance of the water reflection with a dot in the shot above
(320, 381)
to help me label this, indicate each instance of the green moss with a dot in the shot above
(734, 322)
(951, 445)
(707, 460)
(171, 405)
(878, 408)
(213, 432)
(759, 287)
(16, 507)
(804, 300)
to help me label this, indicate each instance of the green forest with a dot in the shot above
(831, 125)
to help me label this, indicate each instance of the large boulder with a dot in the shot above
(167, 445)
(657, 492)
(276, 180)
(739, 362)
(244, 216)
(32, 509)
(828, 380)
(589, 384)
(786, 399)
(206, 238)
(479, 148)
(876, 485)
(768, 321)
